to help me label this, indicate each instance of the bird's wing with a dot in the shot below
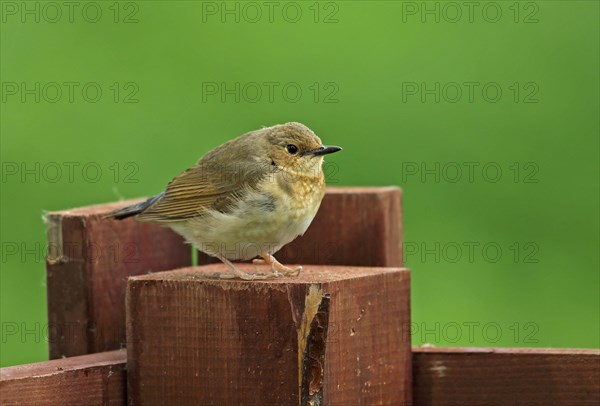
(204, 187)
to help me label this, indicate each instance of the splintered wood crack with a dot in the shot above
(312, 334)
(311, 305)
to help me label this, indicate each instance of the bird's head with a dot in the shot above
(294, 146)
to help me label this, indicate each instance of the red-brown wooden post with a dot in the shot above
(333, 335)
(356, 226)
(89, 261)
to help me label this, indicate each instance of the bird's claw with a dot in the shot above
(276, 267)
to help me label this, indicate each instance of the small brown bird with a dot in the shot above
(246, 198)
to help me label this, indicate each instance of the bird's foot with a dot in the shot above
(276, 266)
(242, 275)
(238, 273)
(274, 272)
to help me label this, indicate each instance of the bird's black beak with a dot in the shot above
(323, 150)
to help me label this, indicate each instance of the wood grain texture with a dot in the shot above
(89, 260)
(96, 379)
(506, 376)
(331, 336)
(357, 226)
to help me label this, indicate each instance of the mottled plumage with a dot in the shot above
(245, 198)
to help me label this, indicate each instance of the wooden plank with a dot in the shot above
(355, 226)
(330, 336)
(506, 376)
(96, 379)
(89, 260)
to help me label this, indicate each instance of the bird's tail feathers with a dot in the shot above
(134, 209)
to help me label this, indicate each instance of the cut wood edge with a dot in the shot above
(506, 350)
(117, 358)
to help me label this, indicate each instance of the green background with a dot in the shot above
(541, 291)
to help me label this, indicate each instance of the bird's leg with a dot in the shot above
(274, 272)
(276, 265)
(238, 272)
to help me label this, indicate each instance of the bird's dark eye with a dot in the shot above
(291, 148)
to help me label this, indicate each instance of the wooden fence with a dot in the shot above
(335, 335)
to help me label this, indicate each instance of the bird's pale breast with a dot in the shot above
(279, 209)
